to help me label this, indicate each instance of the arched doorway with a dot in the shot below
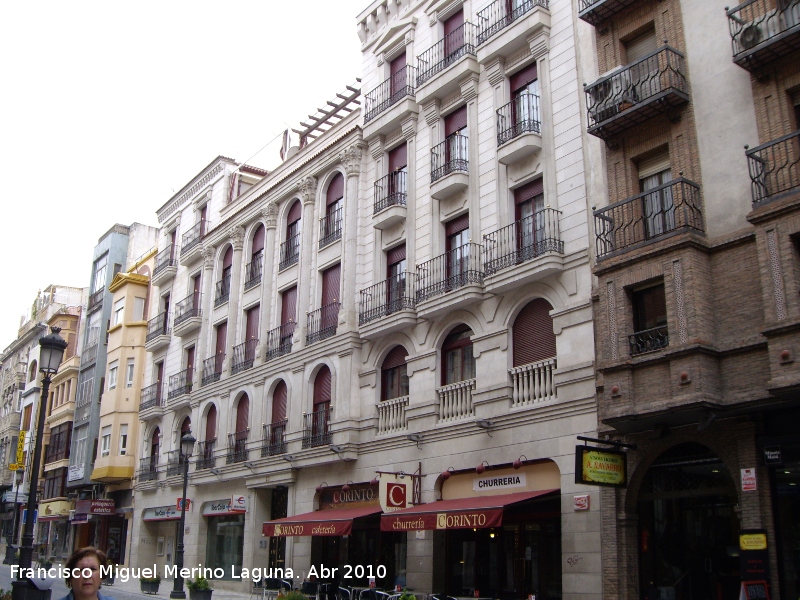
(688, 527)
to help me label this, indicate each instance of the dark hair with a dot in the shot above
(79, 555)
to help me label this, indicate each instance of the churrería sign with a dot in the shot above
(600, 466)
(467, 519)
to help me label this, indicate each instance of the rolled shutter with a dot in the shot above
(330, 285)
(398, 64)
(457, 225)
(522, 78)
(251, 329)
(528, 191)
(322, 386)
(258, 240)
(395, 358)
(640, 46)
(335, 189)
(653, 164)
(289, 305)
(227, 259)
(395, 255)
(242, 413)
(211, 423)
(455, 121)
(295, 212)
(534, 339)
(222, 334)
(279, 401)
(398, 157)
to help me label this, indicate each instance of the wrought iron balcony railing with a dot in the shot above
(237, 447)
(186, 309)
(96, 299)
(274, 440)
(158, 325)
(523, 240)
(150, 397)
(389, 296)
(330, 227)
(670, 207)
(450, 156)
(596, 12)
(390, 92)
(253, 271)
(322, 323)
(764, 30)
(774, 167)
(243, 355)
(502, 13)
(390, 191)
(205, 455)
(455, 45)
(290, 252)
(519, 116)
(164, 259)
(279, 340)
(148, 468)
(648, 340)
(212, 368)
(222, 290)
(316, 427)
(455, 269)
(193, 237)
(180, 384)
(175, 462)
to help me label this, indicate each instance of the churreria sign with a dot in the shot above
(475, 519)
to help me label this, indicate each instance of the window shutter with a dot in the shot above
(398, 64)
(653, 164)
(640, 46)
(155, 438)
(190, 363)
(242, 413)
(279, 401)
(457, 225)
(522, 78)
(398, 157)
(335, 190)
(222, 334)
(395, 255)
(534, 339)
(528, 191)
(251, 329)
(395, 358)
(455, 121)
(186, 426)
(289, 305)
(294, 213)
(227, 260)
(322, 386)
(211, 423)
(454, 22)
(330, 286)
(258, 240)
(196, 286)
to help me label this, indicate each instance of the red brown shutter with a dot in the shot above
(211, 423)
(335, 189)
(227, 260)
(222, 334)
(196, 287)
(294, 213)
(189, 364)
(242, 413)
(522, 78)
(322, 386)
(258, 240)
(455, 120)
(398, 157)
(457, 225)
(395, 358)
(251, 329)
(534, 339)
(154, 441)
(528, 191)
(395, 255)
(397, 64)
(330, 285)
(289, 305)
(279, 401)
(452, 40)
(397, 74)
(159, 372)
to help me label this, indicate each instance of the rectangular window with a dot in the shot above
(105, 445)
(658, 205)
(129, 373)
(26, 417)
(123, 440)
(650, 331)
(79, 457)
(93, 329)
(138, 309)
(112, 375)
(100, 273)
(119, 309)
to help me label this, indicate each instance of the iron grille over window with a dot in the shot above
(449, 157)
(274, 441)
(322, 323)
(290, 252)
(316, 427)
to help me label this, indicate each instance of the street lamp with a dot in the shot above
(51, 352)
(187, 445)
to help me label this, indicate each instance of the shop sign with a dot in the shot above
(580, 502)
(16, 497)
(361, 494)
(218, 508)
(95, 507)
(772, 455)
(753, 554)
(749, 482)
(395, 493)
(75, 472)
(21, 449)
(501, 482)
(162, 513)
(78, 518)
(466, 519)
(238, 503)
(320, 528)
(600, 466)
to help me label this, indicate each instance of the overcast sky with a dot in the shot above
(110, 107)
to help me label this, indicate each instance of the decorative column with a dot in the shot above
(409, 128)
(540, 49)
(469, 91)
(351, 159)
(269, 276)
(237, 241)
(207, 310)
(307, 279)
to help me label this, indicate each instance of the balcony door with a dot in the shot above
(279, 400)
(189, 365)
(458, 249)
(211, 433)
(219, 355)
(642, 79)
(155, 442)
(455, 133)
(159, 380)
(397, 77)
(251, 331)
(458, 363)
(242, 424)
(333, 202)
(396, 277)
(658, 205)
(227, 266)
(322, 403)
(524, 85)
(196, 287)
(533, 336)
(398, 166)
(288, 315)
(529, 207)
(330, 297)
(453, 36)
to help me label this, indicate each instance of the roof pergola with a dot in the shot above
(328, 116)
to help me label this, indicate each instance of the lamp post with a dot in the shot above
(51, 351)
(187, 445)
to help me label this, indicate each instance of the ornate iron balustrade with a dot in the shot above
(212, 368)
(390, 92)
(523, 240)
(237, 447)
(757, 24)
(533, 383)
(450, 156)
(455, 45)
(330, 227)
(455, 400)
(455, 269)
(274, 440)
(187, 308)
(519, 116)
(392, 415)
(193, 237)
(279, 340)
(150, 397)
(222, 290)
(243, 356)
(148, 468)
(158, 325)
(164, 259)
(205, 455)
(648, 340)
(96, 300)
(639, 83)
(670, 207)
(253, 271)
(175, 462)
(774, 167)
(389, 296)
(180, 384)
(290, 252)
(390, 191)
(316, 428)
(502, 13)
(322, 323)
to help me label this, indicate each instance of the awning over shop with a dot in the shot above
(477, 512)
(334, 521)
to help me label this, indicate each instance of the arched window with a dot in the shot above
(458, 363)
(254, 268)
(155, 441)
(206, 452)
(290, 249)
(211, 423)
(279, 400)
(394, 379)
(32, 371)
(332, 226)
(319, 433)
(277, 428)
(223, 290)
(238, 444)
(534, 339)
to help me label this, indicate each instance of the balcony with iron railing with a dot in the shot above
(253, 271)
(392, 415)
(222, 290)
(449, 50)
(289, 252)
(330, 227)
(595, 12)
(774, 168)
(763, 31)
(187, 315)
(180, 384)
(205, 455)
(455, 400)
(322, 323)
(279, 341)
(507, 27)
(450, 166)
(648, 340)
(243, 356)
(533, 383)
(393, 297)
(191, 246)
(668, 209)
(635, 93)
(274, 439)
(399, 86)
(519, 129)
(150, 397)
(212, 368)
(165, 265)
(158, 332)
(237, 447)
(316, 428)
(148, 468)
(176, 462)
(458, 268)
(390, 191)
(96, 300)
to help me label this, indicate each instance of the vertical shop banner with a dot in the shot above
(753, 555)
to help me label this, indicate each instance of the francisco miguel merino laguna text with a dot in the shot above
(170, 571)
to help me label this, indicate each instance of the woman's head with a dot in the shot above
(84, 571)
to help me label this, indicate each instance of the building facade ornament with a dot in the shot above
(237, 237)
(208, 253)
(308, 189)
(351, 159)
(270, 214)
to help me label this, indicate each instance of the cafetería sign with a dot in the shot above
(600, 466)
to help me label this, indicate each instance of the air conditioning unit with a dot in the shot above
(750, 36)
(612, 95)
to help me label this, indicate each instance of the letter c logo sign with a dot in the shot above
(441, 521)
(396, 495)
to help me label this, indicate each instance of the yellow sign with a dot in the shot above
(600, 467)
(753, 541)
(13, 466)
(21, 448)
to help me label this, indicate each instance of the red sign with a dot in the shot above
(95, 507)
(396, 495)
(319, 528)
(466, 519)
(178, 502)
